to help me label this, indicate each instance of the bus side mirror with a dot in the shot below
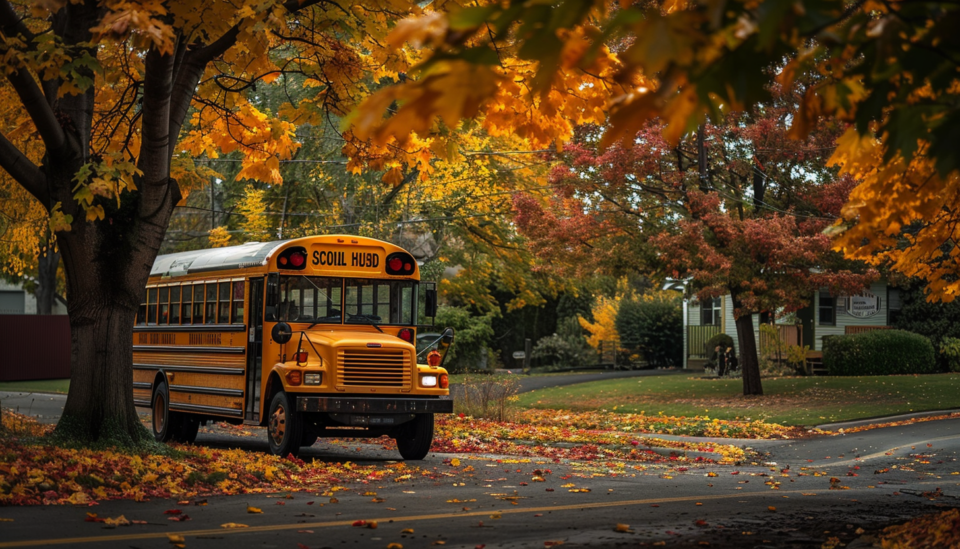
(431, 303)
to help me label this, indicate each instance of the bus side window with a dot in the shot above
(175, 305)
(224, 316)
(237, 313)
(186, 310)
(211, 313)
(198, 304)
(152, 306)
(163, 314)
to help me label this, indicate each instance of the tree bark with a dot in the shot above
(749, 363)
(46, 293)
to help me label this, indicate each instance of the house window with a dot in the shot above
(828, 309)
(894, 304)
(710, 312)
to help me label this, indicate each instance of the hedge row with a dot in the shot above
(879, 352)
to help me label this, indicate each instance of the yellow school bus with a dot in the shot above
(311, 337)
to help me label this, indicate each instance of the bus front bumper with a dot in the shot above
(355, 405)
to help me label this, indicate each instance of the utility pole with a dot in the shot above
(283, 212)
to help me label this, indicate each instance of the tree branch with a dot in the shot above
(11, 24)
(25, 172)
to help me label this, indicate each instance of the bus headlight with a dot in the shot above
(428, 381)
(312, 378)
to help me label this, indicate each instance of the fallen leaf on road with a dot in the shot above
(251, 509)
(406, 531)
(439, 542)
(177, 540)
(180, 518)
(119, 521)
(772, 508)
(172, 512)
(359, 523)
(455, 462)
(495, 516)
(394, 546)
(622, 528)
(184, 502)
(552, 543)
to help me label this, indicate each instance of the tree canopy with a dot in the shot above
(887, 69)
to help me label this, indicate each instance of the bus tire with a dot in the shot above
(284, 426)
(188, 427)
(164, 421)
(414, 438)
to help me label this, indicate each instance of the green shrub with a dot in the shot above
(652, 327)
(950, 353)
(936, 321)
(473, 335)
(565, 349)
(879, 352)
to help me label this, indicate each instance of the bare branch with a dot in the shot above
(25, 172)
(11, 24)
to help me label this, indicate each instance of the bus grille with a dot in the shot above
(373, 368)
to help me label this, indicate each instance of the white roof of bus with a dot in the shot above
(251, 254)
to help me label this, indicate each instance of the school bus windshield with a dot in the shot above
(318, 299)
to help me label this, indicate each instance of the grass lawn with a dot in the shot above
(790, 401)
(42, 386)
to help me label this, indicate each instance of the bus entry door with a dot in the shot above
(254, 351)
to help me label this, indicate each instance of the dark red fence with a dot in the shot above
(34, 347)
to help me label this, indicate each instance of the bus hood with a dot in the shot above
(358, 340)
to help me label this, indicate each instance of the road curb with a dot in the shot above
(885, 419)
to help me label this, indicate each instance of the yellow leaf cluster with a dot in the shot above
(892, 196)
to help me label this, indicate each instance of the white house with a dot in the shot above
(827, 315)
(14, 300)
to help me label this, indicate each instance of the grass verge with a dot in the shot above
(41, 386)
(788, 401)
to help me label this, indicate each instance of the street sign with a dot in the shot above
(519, 355)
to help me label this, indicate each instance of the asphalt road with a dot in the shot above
(782, 499)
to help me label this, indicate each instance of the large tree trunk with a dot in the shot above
(749, 363)
(46, 292)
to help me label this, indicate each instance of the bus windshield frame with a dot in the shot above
(366, 301)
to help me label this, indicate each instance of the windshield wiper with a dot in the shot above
(369, 318)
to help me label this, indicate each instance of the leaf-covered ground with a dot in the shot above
(34, 472)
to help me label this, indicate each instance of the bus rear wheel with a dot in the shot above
(165, 423)
(414, 438)
(284, 426)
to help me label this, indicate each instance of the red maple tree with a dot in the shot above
(736, 208)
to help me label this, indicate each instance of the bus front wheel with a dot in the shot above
(415, 437)
(284, 426)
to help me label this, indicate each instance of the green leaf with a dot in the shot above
(472, 17)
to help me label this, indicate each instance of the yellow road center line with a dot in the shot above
(412, 518)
